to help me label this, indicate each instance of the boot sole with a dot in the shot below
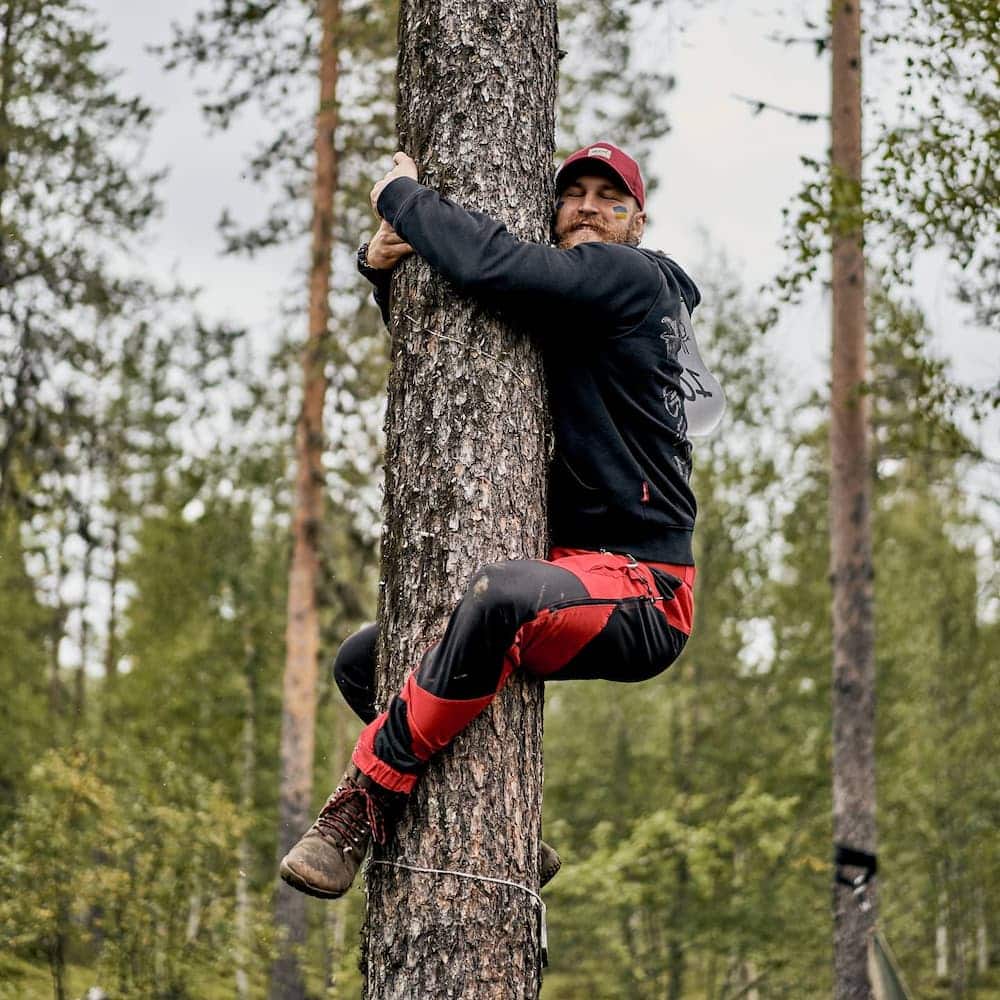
(296, 881)
(548, 876)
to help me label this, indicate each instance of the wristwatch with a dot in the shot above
(369, 272)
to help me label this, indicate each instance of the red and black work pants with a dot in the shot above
(579, 614)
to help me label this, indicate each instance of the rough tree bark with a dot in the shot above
(850, 512)
(299, 692)
(465, 486)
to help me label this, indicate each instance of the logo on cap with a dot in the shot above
(599, 151)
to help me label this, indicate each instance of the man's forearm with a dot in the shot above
(381, 279)
(478, 253)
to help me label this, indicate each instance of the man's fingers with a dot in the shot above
(403, 166)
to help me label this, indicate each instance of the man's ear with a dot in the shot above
(638, 225)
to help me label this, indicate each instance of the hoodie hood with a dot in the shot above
(674, 272)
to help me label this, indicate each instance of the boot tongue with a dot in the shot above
(349, 814)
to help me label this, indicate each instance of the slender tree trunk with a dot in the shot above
(334, 918)
(108, 695)
(850, 513)
(57, 630)
(465, 486)
(111, 650)
(982, 935)
(676, 940)
(80, 678)
(248, 780)
(299, 694)
(8, 54)
(57, 961)
(941, 950)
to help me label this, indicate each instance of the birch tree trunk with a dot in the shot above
(850, 512)
(299, 693)
(465, 486)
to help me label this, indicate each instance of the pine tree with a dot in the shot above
(302, 635)
(71, 199)
(465, 478)
(851, 566)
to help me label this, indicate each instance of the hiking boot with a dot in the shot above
(549, 863)
(325, 861)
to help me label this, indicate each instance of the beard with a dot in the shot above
(594, 231)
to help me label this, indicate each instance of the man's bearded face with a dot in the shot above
(596, 209)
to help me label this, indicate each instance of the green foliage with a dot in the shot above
(935, 181)
(693, 811)
(47, 865)
(914, 399)
(268, 57)
(205, 652)
(603, 92)
(930, 175)
(24, 624)
(71, 199)
(148, 875)
(708, 869)
(168, 905)
(939, 810)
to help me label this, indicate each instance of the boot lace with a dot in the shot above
(349, 814)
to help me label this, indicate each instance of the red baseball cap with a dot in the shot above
(606, 157)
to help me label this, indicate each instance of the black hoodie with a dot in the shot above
(606, 316)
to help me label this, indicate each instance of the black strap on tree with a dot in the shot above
(851, 857)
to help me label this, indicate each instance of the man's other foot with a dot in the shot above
(549, 863)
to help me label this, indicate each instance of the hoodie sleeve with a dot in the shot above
(478, 254)
(381, 282)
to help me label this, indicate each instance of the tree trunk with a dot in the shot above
(465, 486)
(111, 649)
(676, 950)
(248, 781)
(299, 693)
(941, 950)
(850, 513)
(982, 935)
(335, 924)
(57, 960)
(57, 629)
(80, 677)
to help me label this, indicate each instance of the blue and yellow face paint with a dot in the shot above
(620, 212)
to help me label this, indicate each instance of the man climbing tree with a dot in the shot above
(613, 600)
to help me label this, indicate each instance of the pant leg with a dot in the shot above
(589, 616)
(634, 625)
(354, 672)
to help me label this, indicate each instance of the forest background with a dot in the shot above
(147, 483)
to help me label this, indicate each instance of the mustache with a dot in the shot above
(585, 223)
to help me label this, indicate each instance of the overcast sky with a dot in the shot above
(723, 171)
